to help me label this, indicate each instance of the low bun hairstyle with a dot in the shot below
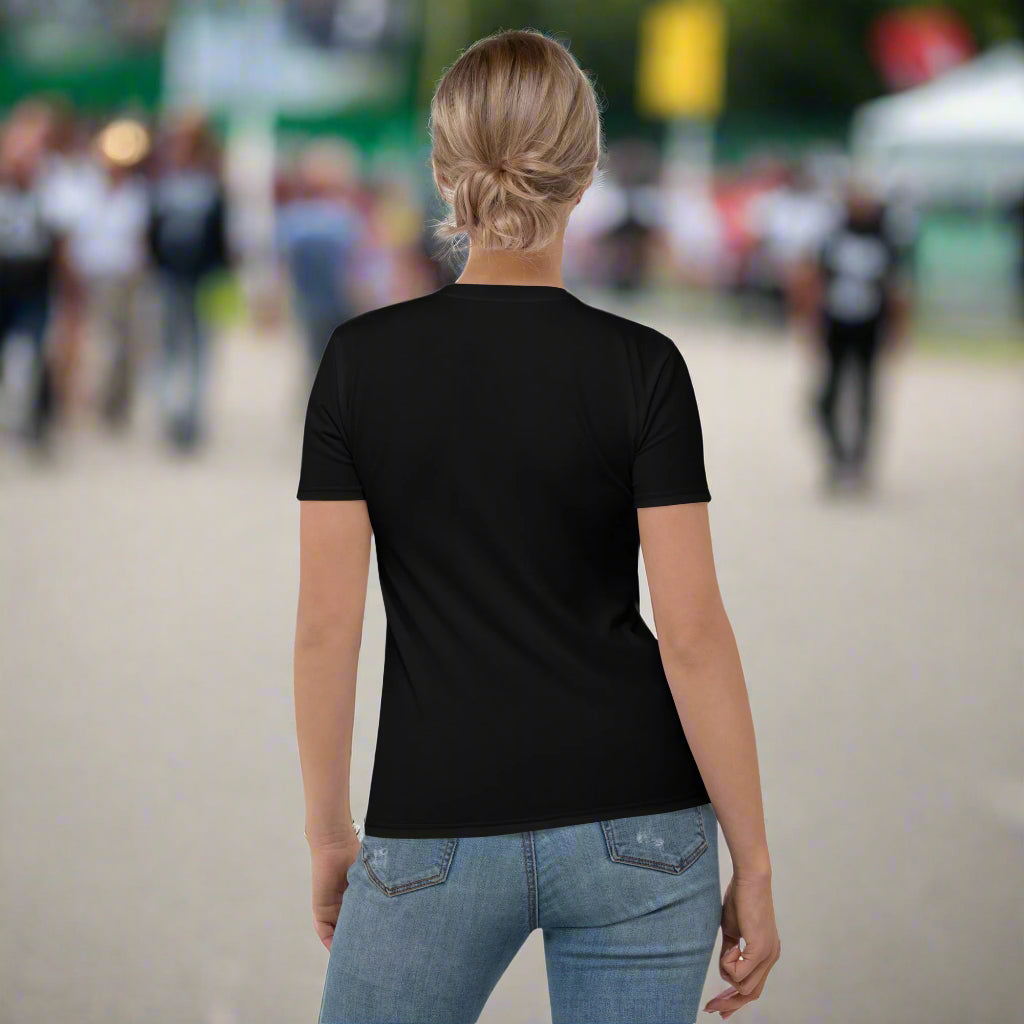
(516, 134)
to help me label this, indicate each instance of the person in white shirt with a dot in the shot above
(108, 250)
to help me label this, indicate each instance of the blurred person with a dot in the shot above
(394, 261)
(68, 182)
(855, 300)
(788, 223)
(627, 244)
(187, 239)
(695, 234)
(320, 230)
(29, 251)
(512, 448)
(398, 229)
(602, 206)
(108, 248)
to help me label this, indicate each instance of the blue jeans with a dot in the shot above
(185, 359)
(629, 909)
(30, 315)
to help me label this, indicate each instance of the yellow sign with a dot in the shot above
(681, 67)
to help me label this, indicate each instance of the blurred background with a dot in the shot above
(193, 194)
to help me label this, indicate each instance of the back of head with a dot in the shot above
(516, 133)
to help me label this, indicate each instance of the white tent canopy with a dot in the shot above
(960, 135)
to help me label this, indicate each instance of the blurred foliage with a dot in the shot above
(795, 68)
(809, 57)
(801, 57)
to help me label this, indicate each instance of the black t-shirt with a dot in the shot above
(859, 261)
(503, 437)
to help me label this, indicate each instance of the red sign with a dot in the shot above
(914, 44)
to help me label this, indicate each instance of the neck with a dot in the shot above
(504, 266)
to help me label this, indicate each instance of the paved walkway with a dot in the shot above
(152, 864)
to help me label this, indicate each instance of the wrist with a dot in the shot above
(337, 835)
(758, 869)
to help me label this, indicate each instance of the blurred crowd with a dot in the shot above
(744, 231)
(88, 216)
(112, 231)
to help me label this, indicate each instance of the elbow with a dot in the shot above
(319, 633)
(697, 638)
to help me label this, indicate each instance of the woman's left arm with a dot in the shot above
(334, 560)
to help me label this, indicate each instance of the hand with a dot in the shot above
(331, 861)
(747, 911)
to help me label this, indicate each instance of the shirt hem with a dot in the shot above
(468, 831)
(671, 498)
(327, 493)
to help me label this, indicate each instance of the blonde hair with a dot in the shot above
(516, 134)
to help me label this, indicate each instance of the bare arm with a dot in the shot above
(334, 559)
(702, 664)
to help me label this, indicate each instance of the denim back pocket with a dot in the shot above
(669, 841)
(398, 866)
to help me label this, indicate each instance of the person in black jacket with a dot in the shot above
(29, 250)
(188, 241)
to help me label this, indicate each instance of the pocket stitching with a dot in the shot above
(670, 869)
(418, 883)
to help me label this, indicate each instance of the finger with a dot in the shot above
(755, 981)
(718, 1001)
(730, 1005)
(325, 931)
(728, 960)
(732, 1000)
(739, 972)
(739, 965)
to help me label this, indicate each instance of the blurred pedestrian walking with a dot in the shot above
(67, 183)
(108, 250)
(856, 302)
(188, 241)
(29, 244)
(320, 229)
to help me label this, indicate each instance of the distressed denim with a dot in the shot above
(629, 909)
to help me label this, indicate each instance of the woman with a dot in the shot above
(510, 448)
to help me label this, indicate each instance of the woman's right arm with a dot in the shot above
(702, 664)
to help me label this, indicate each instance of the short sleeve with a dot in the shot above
(327, 470)
(668, 462)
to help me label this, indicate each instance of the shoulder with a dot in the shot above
(641, 338)
(651, 354)
(378, 324)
